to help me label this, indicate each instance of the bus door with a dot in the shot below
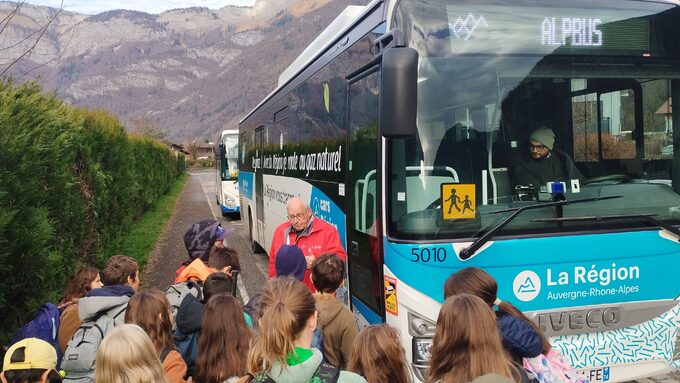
(364, 259)
(259, 188)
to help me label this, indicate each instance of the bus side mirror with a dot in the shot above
(399, 97)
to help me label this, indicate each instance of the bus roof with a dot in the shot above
(229, 131)
(347, 18)
(326, 39)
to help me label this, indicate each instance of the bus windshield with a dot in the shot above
(534, 102)
(230, 157)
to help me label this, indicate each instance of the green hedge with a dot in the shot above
(70, 180)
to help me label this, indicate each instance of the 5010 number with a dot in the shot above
(427, 254)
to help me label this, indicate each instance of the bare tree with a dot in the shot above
(145, 126)
(34, 37)
(193, 146)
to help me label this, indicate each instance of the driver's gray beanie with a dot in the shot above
(545, 136)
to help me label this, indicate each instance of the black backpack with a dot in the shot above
(325, 373)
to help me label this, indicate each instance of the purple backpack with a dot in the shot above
(44, 325)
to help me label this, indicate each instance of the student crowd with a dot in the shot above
(197, 331)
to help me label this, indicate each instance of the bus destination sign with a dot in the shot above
(544, 30)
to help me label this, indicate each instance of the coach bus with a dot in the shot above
(402, 125)
(226, 173)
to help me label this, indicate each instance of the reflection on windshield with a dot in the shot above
(536, 123)
(230, 160)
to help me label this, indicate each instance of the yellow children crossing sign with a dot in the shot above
(458, 201)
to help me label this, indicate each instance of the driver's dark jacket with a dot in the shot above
(558, 166)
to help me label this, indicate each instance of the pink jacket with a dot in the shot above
(322, 238)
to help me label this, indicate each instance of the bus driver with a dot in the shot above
(544, 163)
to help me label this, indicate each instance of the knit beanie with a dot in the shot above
(290, 261)
(545, 136)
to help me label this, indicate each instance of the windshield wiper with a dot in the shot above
(469, 251)
(644, 217)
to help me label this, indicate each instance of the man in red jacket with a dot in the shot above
(313, 235)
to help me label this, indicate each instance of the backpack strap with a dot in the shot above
(262, 379)
(196, 285)
(164, 354)
(326, 373)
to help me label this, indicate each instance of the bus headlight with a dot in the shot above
(420, 326)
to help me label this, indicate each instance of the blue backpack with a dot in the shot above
(44, 325)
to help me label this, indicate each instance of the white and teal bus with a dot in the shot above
(226, 173)
(400, 106)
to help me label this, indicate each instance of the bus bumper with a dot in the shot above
(227, 209)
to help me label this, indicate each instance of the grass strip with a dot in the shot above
(144, 233)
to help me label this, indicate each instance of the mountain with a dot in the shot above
(193, 71)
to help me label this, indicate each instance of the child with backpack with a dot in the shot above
(222, 259)
(30, 360)
(379, 357)
(522, 339)
(190, 318)
(336, 321)
(127, 355)
(286, 329)
(100, 310)
(56, 323)
(200, 238)
(150, 311)
(467, 344)
(224, 342)
(82, 281)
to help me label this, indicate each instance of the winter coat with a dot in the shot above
(339, 330)
(68, 324)
(174, 367)
(190, 315)
(519, 338)
(557, 166)
(318, 238)
(102, 300)
(304, 371)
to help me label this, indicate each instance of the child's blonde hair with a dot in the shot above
(126, 355)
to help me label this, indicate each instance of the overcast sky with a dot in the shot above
(92, 7)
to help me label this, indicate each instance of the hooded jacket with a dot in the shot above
(199, 238)
(318, 238)
(102, 300)
(339, 330)
(519, 338)
(190, 315)
(304, 371)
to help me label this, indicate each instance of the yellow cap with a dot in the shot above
(38, 354)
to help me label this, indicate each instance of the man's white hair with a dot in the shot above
(296, 198)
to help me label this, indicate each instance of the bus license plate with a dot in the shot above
(597, 374)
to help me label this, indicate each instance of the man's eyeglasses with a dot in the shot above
(296, 217)
(537, 147)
